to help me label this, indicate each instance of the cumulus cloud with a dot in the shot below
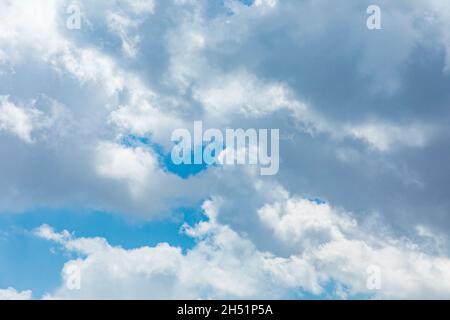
(31, 122)
(124, 164)
(164, 271)
(205, 74)
(29, 26)
(343, 250)
(243, 94)
(17, 120)
(363, 126)
(327, 246)
(126, 25)
(13, 294)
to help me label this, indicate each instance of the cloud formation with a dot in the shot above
(86, 118)
(326, 247)
(13, 294)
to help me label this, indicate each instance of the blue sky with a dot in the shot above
(26, 260)
(87, 182)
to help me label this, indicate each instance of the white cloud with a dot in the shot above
(265, 3)
(439, 17)
(326, 245)
(384, 137)
(164, 271)
(120, 25)
(125, 23)
(230, 70)
(243, 93)
(13, 294)
(90, 66)
(19, 121)
(29, 26)
(131, 165)
(47, 233)
(142, 115)
(205, 73)
(141, 6)
(341, 250)
(34, 121)
(303, 223)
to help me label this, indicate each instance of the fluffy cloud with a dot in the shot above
(125, 26)
(13, 294)
(17, 120)
(363, 125)
(29, 27)
(241, 93)
(326, 247)
(304, 223)
(202, 71)
(344, 251)
(166, 272)
(33, 121)
(119, 163)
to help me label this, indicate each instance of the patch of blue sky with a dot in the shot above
(247, 2)
(27, 262)
(317, 201)
(182, 170)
